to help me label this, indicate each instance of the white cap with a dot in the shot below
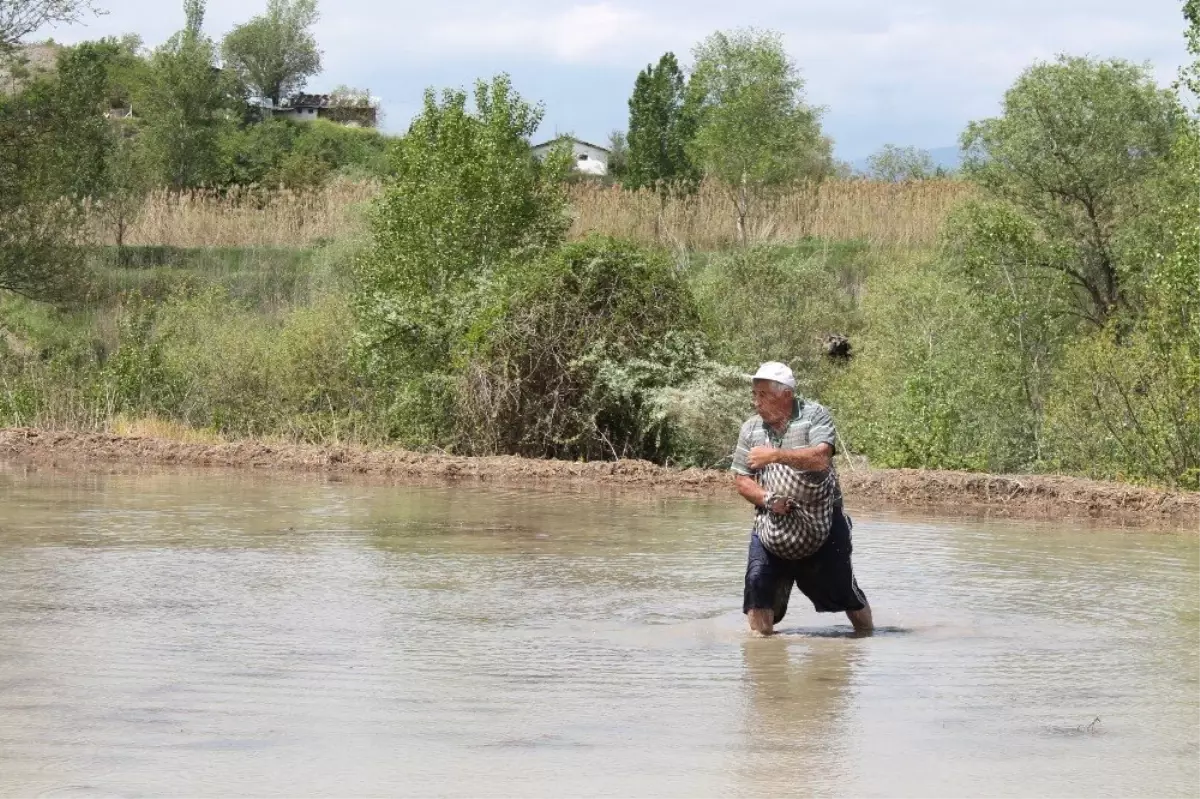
(779, 372)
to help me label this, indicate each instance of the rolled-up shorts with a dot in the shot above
(825, 577)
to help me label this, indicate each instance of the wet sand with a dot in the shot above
(972, 494)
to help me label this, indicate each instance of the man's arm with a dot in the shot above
(755, 494)
(816, 458)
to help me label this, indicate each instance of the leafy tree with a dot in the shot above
(1126, 401)
(894, 164)
(659, 130)
(188, 102)
(19, 18)
(618, 154)
(128, 179)
(348, 105)
(1190, 74)
(1076, 138)
(466, 198)
(276, 53)
(55, 141)
(754, 132)
(128, 71)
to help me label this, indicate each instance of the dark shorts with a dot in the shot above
(825, 576)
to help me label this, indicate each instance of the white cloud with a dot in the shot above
(582, 34)
(870, 61)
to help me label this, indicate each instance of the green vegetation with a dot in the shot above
(275, 53)
(1053, 328)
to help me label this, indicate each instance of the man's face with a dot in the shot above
(772, 401)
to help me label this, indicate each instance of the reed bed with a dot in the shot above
(904, 214)
(243, 217)
(886, 214)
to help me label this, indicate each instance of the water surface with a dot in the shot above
(183, 634)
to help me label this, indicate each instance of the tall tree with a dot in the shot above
(1076, 140)
(658, 128)
(466, 197)
(188, 102)
(618, 154)
(276, 53)
(19, 18)
(53, 142)
(754, 130)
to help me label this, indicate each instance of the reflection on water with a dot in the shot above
(177, 633)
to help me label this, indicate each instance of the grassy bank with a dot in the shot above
(258, 340)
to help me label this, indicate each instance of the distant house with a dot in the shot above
(351, 111)
(591, 159)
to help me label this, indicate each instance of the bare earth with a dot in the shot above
(1016, 496)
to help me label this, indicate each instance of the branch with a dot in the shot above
(19, 18)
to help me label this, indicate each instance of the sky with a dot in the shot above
(906, 72)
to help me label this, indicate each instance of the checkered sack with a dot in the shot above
(800, 532)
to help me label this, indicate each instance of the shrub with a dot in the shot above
(565, 360)
(932, 384)
(779, 304)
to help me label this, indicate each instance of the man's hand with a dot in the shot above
(780, 506)
(762, 456)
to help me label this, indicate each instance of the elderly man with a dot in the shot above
(784, 467)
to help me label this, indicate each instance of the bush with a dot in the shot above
(566, 360)
(775, 303)
(933, 385)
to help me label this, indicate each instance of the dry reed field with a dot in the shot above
(245, 217)
(889, 214)
(904, 214)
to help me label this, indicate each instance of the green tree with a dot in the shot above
(19, 18)
(618, 154)
(188, 103)
(127, 180)
(1190, 74)
(894, 164)
(1126, 402)
(54, 141)
(275, 53)
(466, 197)
(1076, 139)
(659, 130)
(754, 131)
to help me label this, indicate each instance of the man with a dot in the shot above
(790, 444)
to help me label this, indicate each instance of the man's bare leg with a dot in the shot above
(762, 621)
(861, 619)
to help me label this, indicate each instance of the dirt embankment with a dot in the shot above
(1020, 496)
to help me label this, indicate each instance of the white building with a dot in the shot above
(589, 158)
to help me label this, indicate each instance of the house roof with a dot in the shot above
(548, 142)
(321, 101)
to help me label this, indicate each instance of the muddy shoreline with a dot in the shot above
(958, 493)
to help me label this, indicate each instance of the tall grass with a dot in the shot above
(887, 214)
(244, 217)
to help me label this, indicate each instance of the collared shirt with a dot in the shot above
(800, 532)
(811, 424)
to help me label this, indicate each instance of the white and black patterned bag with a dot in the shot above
(800, 532)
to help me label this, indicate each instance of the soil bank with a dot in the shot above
(1015, 496)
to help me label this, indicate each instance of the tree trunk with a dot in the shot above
(742, 208)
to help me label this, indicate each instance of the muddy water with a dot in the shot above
(177, 634)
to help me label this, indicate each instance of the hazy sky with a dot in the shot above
(900, 71)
